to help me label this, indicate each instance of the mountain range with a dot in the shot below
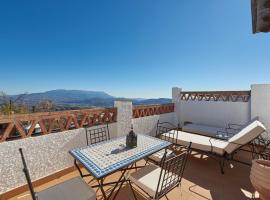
(82, 98)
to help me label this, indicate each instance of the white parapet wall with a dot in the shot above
(142, 125)
(147, 125)
(45, 155)
(221, 113)
(214, 113)
(260, 104)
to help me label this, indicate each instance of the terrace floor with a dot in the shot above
(202, 181)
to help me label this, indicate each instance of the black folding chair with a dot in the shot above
(96, 135)
(93, 136)
(75, 188)
(162, 127)
(156, 185)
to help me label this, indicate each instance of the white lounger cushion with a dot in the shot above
(202, 129)
(199, 142)
(246, 135)
(205, 143)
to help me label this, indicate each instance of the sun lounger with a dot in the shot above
(217, 147)
(213, 131)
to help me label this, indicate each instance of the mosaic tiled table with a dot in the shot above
(104, 158)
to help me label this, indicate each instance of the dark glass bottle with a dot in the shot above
(131, 139)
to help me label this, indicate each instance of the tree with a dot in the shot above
(44, 106)
(9, 105)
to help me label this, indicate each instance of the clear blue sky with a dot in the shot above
(130, 48)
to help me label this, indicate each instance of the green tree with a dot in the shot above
(10, 106)
(44, 106)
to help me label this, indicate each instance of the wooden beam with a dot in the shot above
(7, 132)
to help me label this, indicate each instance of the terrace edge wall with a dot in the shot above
(48, 155)
(45, 155)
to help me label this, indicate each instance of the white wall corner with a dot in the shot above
(176, 91)
(175, 94)
(124, 117)
(260, 103)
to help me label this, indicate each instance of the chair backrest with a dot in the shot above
(27, 175)
(164, 127)
(171, 174)
(96, 135)
(245, 136)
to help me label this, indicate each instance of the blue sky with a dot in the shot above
(130, 48)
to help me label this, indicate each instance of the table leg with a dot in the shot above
(118, 181)
(124, 179)
(121, 180)
(100, 182)
(78, 168)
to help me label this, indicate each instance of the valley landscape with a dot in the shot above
(60, 99)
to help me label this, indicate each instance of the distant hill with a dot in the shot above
(63, 96)
(83, 98)
(152, 101)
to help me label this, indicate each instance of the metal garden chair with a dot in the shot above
(75, 188)
(158, 181)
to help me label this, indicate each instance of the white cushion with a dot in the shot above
(157, 157)
(246, 135)
(147, 178)
(199, 142)
(202, 129)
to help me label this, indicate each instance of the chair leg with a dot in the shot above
(133, 192)
(221, 164)
(135, 165)
(146, 162)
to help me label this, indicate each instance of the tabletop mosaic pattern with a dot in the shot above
(103, 158)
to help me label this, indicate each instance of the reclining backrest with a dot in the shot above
(246, 135)
(250, 122)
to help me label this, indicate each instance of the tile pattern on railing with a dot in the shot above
(234, 96)
(26, 125)
(143, 111)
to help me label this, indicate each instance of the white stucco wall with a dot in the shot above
(215, 113)
(260, 104)
(45, 155)
(124, 116)
(147, 125)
